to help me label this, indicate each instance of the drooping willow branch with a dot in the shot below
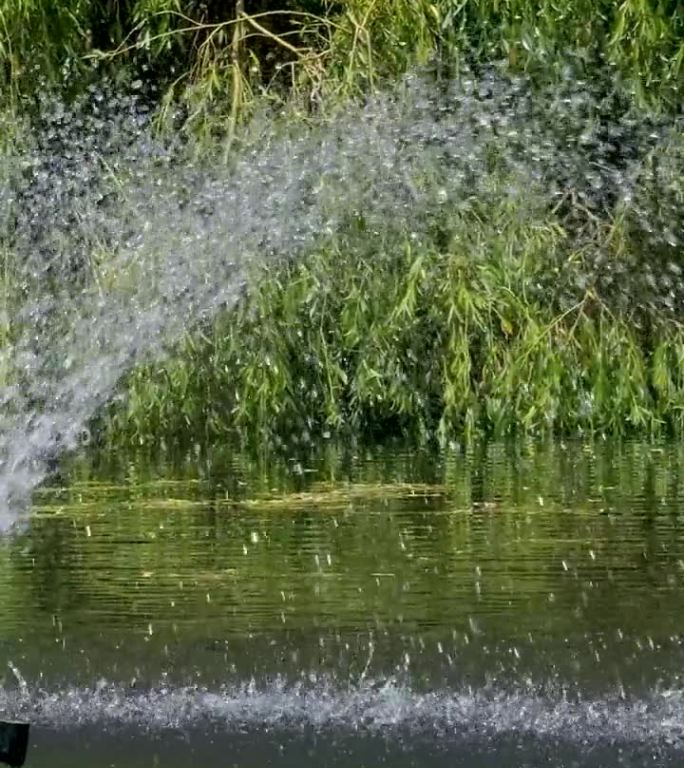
(243, 26)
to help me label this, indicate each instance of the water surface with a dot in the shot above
(509, 607)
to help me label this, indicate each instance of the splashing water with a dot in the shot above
(373, 706)
(120, 243)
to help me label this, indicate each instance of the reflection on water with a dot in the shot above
(510, 595)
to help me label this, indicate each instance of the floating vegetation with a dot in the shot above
(341, 496)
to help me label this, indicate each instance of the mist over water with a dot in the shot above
(118, 242)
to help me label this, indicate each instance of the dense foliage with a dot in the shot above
(498, 324)
(214, 54)
(510, 316)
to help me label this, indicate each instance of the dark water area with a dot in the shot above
(510, 607)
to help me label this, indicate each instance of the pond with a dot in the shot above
(510, 606)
